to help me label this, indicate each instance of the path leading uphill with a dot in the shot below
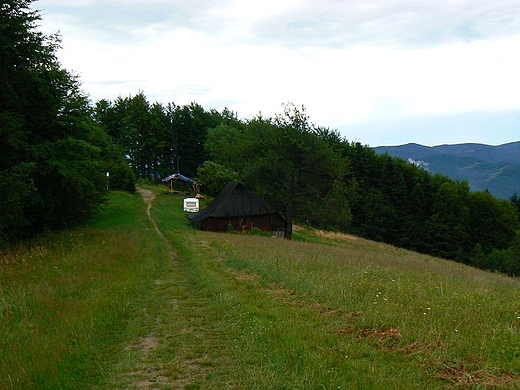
(149, 197)
(148, 374)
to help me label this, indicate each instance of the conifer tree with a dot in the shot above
(51, 174)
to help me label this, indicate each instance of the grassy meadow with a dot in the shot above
(121, 305)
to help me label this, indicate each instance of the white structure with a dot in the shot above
(191, 205)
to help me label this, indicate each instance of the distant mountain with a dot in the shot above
(495, 168)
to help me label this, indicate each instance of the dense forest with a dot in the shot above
(60, 153)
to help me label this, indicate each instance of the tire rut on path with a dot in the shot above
(147, 375)
(149, 197)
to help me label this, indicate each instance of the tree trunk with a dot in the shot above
(288, 222)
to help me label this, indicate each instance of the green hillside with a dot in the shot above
(125, 304)
(500, 178)
(484, 167)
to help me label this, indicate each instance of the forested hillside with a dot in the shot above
(484, 167)
(60, 153)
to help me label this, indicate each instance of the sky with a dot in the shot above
(381, 72)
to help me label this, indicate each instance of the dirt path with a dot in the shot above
(147, 375)
(149, 197)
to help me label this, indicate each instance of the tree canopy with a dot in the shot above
(51, 170)
(284, 160)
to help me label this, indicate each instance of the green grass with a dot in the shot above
(66, 298)
(117, 306)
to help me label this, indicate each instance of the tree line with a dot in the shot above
(315, 176)
(320, 178)
(60, 153)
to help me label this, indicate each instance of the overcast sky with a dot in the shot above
(382, 72)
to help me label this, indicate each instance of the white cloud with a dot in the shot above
(350, 63)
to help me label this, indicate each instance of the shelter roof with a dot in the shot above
(234, 200)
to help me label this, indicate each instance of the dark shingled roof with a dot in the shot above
(234, 200)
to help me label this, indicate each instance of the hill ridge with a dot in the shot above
(493, 167)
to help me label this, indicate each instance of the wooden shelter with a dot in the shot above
(237, 208)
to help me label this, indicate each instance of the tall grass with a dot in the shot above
(452, 314)
(342, 312)
(117, 306)
(65, 298)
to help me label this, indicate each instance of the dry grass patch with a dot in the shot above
(380, 334)
(376, 334)
(244, 276)
(336, 236)
(474, 376)
(418, 347)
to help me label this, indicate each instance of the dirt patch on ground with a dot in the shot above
(148, 344)
(146, 375)
(148, 196)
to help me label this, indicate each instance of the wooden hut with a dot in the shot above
(237, 208)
